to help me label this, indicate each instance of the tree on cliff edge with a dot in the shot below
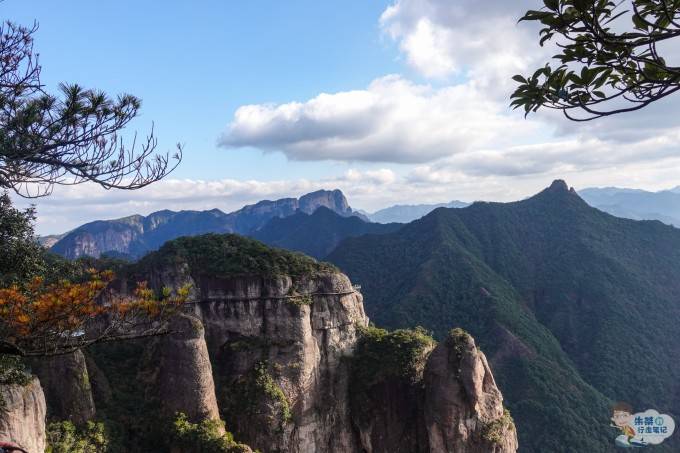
(69, 138)
(50, 306)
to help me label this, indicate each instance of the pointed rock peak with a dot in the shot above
(459, 390)
(559, 185)
(559, 192)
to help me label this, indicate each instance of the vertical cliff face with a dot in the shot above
(410, 395)
(279, 347)
(386, 390)
(463, 407)
(22, 419)
(66, 382)
(185, 380)
(333, 200)
(101, 236)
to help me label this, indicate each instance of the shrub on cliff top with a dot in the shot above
(381, 354)
(12, 372)
(495, 431)
(228, 255)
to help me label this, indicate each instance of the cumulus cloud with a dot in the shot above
(483, 42)
(577, 154)
(440, 38)
(400, 121)
(466, 120)
(450, 137)
(392, 120)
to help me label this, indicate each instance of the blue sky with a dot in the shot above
(194, 63)
(392, 101)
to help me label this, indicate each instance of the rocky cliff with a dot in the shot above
(411, 395)
(279, 358)
(283, 346)
(66, 382)
(22, 418)
(278, 345)
(136, 235)
(463, 407)
(183, 363)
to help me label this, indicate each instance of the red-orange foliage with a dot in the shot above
(43, 319)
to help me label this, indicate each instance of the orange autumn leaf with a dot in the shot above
(58, 311)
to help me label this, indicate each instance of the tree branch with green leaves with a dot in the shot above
(610, 57)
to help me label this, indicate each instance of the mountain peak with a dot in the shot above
(332, 199)
(559, 185)
(559, 194)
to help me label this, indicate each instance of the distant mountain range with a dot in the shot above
(134, 236)
(405, 213)
(49, 240)
(633, 204)
(636, 204)
(575, 308)
(317, 234)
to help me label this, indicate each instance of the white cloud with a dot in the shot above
(465, 126)
(393, 120)
(582, 154)
(425, 48)
(455, 136)
(482, 40)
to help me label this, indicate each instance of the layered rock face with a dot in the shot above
(275, 344)
(463, 407)
(185, 379)
(66, 382)
(22, 420)
(279, 347)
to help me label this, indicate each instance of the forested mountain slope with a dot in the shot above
(575, 307)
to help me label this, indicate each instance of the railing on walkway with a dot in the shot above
(355, 289)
